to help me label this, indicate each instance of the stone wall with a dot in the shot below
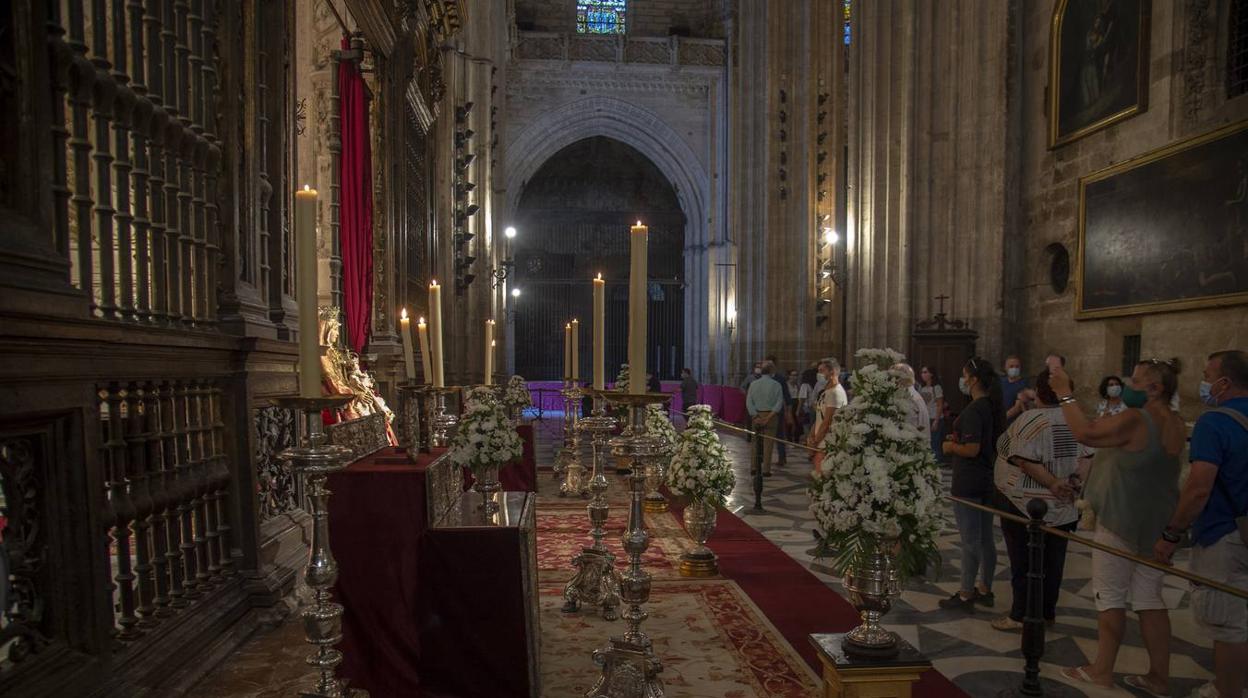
(1186, 98)
(701, 18)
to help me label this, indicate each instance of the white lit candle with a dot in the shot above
(435, 334)
(567, 351)
(489, 352)
(405, 329)
(576, 351)
(426, 359)
(637, 300)
(306, 293)
(600, 312)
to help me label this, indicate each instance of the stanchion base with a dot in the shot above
(656, 506)
(342, 691)
(1048, 688)
(695, 566)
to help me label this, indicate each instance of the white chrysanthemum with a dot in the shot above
(700, 468)
(484, 436)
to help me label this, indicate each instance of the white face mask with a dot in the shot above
(1014, 372)
(1114, 391)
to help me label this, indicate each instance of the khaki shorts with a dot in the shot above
(1118, 582)
(1223, 615)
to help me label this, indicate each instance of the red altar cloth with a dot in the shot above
(377, 514)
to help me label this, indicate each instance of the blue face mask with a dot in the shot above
(1206, 394)
(1133, 398)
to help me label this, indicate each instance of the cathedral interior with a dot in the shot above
(259, 258)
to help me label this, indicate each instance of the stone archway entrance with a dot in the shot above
(575, 213)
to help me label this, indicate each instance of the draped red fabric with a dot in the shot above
(356, 214)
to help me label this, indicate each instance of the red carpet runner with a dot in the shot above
(792, 598)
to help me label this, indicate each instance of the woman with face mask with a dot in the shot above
(972, 445)
(1137, 460)
(1111, 397)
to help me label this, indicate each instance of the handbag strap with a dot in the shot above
(1242, 420)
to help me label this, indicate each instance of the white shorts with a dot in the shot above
(1225, 617)
(1118, 582)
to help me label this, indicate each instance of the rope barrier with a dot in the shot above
(1148, 562)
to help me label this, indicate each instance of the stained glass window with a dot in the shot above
(600, 16)
(847, 7)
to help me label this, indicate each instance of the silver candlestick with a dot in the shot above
(443, 421)
(315, 460)
(574, 484)
(596, 582)
(629, 666)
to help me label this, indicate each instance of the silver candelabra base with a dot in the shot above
(596, 583)
(628, 663)
(443, 420)
(574, 484)
(315, 460)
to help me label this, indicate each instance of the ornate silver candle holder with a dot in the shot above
(596, 583)
(443, 421)
(574, 484)
(629, 667)
(315, 460)
(410, 417)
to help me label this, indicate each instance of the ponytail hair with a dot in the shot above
(981, 369)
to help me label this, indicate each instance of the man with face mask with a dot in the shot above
(1213, 503)
(1012, 386)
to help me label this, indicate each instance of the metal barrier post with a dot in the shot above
(1033, 619)
(757, 466)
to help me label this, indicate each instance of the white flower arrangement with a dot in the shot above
(485, 436)
(658, 424)
(516, 395)
(879, 479)
(701, 469)
(621, 379)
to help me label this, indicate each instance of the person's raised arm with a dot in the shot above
(1107, 432)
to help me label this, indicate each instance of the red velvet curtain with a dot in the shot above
(356, 214)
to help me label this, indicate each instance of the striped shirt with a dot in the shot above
(1041, 436)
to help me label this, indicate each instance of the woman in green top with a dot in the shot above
(1133, 488)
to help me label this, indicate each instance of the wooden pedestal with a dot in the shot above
(846, 677)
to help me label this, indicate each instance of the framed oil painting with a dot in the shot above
(1167, 230)
(1098, 65)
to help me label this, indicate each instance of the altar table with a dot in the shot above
(380, 507)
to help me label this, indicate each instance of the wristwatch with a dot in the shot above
(1171, 535)
(1066, 400)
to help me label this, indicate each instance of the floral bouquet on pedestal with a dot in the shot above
(658, 426)
(484, 442)
(516, 397)
(621, 379)
(701, 471)
(875, 499)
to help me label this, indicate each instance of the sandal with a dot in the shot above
(1080, 674)
(1138, 682)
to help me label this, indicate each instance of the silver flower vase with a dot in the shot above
(487, 485)
(699, 524)
(871, 588)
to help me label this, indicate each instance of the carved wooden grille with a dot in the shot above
(136, 155)
(278, 493)
(166, 479)
(1237, 49)
(25, 613)
(416, 212)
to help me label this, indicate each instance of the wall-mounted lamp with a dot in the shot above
(830, 236)
(501, 273)
(730, 318)
(515, 292)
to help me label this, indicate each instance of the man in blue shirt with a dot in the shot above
(764, 401)
(1214, 496)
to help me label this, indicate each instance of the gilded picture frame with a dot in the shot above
(1098, 66)
(1166, 230)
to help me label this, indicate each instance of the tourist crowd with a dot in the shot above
(1115, 474)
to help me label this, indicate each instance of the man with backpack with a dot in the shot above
(1214, 503)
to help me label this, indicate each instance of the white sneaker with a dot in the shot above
(1206, 690)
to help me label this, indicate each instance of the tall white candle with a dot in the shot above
(576, 350)
(426, 359)
(435, 334)
(489, 352)
(637, 300)
(409, 360)
(567, 351)
(306, 293)
(600, 313)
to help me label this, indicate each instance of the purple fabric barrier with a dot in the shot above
(734, 405)
(546, 395)
(712, 395)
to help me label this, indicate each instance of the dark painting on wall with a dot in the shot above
(1167, 230)
(1098, 65)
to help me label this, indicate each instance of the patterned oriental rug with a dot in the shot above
(713, 642)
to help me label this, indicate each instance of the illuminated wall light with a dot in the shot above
(830, 237)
